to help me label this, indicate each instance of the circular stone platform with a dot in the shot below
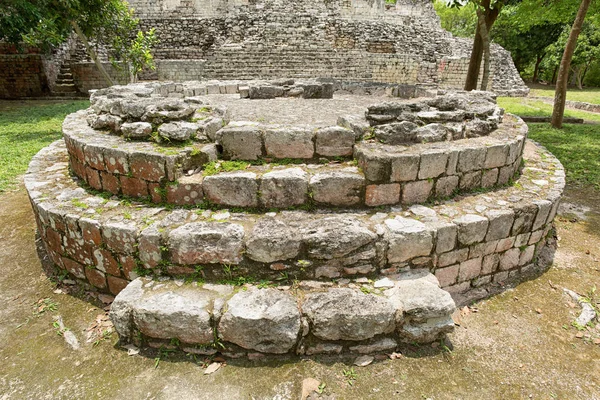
(303, 227)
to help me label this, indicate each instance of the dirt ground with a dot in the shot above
(519, 344)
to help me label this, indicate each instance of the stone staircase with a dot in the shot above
(65, 85)
(329, 239)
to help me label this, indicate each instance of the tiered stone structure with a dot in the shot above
(300, 221)
(338, 40)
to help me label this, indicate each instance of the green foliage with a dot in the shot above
(216, 167)
(460, 21)
(25, 128)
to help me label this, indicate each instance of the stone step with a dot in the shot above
(469, 242)
(65, 75)
(65, 88)
(307, 318)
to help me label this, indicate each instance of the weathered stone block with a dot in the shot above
(470, 180)
(289, 142)
(407, 238)
(374, 162)
(501, 222)
(187, 190)
(136, 130)
(178, 131)
(339, 188)
(284, 188)
(347, 314)
(265, 320)
(471, 158)
(446, 186)
(472, 228)
(489, 178)
(490, 264)
(433, 164)
(120, 236)
(147, 166)
(469, 269)
(416, 192)
(334, 141)
(133, 187)
(95, 277)
(237, 189)
(241, 142)
(510, 259)
(149, 247)
(335, 237)
(272, 240)
(206, 243)
(396, 132)
(378, 195)
(447, 276)
(405, 167)
(496, 156)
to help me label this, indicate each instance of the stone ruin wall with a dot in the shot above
(356, 40)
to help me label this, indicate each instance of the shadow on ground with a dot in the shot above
(519, 344)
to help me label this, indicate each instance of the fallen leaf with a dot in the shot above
(212, 368)
(309, 385)
(538, 310)
(363, 361)
(395, 356)
(579, 335)
(132, 350)
(219, 359)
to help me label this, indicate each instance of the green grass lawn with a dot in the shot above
(25, 128)
(576, 146)
(591, 95)
(536, 108)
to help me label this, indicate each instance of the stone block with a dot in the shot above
(116, 285)
(433, 164)
(445, 237)
(149, 247)
(147, 166)
(178, 130)
(490, 263)
(489, 178)
(383, 345)
(433, 133)
(472, 228)
(501, 222)
(106, 262)
(93, 178)
(339, 188)
(470, 180)
(241, 142)
(136, 130)
(446, 186)
(416, 192)
(289, 142)
(510, 259)
(120, 236)
(421, 299)
(526, 255)
(396, 132)
(94, 157)
(347, 314)
(133, 187)
(272, 240)
(206, 243)
(407, 239)
(334, 141)
(187, 191)
(471, 158)
(447, 276)
(496, 156)
(110, 182)
(544, 208)
(405, 167)
(265, 320)
(469, 269)
(236, 189)
(284, 188)
(374, 162)
(453, 257)
(74, 268)
(378, 195)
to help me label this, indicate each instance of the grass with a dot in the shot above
(536, 108)
(25, 128)
(576, 146)
(591, 95)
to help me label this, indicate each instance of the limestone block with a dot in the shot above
(178, 130)
(433, 164)
(237, 189)
(396, 132)
(284, 188)
(433, 133)
(334, 141)
(136, 130)
(347, 314)
(416, 192)
(265, 320)
(407, 239)
(374, 162)
(471, 158)
(405, 167)
(472, 228)
(289, 142)
(496, 156)
(339, 188)
(272, 240)
(446, 186)
(501, 222)
(242, 142)
(469, 269)
(206, 243)
(335, 237)
(378, 195)
(120, 236)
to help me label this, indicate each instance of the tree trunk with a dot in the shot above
(92, 53)
(474, 62)
(485, 38)
(490, 16)
(554, 75)
(560, 96)
(536, 71)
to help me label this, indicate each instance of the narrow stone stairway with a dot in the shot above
(65, 85)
